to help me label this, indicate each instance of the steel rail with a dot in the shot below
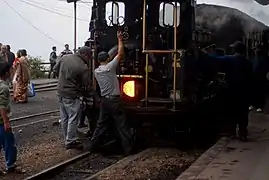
(56, 169)
(33, 115)
(36, 122)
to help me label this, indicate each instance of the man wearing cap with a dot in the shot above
(111, 105)
(74, 79)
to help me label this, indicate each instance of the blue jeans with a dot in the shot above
(70, 115)
(7, 142)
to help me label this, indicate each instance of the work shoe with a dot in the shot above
(89, 134)
(250, 108)
(74, 145)
(259, 110)
(82, 125)
(15, 169)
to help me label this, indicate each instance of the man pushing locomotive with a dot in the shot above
(111, 106)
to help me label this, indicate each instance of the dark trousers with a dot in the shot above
(7, 143)
(112, 107)
(88, 112)
(259, 94)
(51, 70)
(238, 112)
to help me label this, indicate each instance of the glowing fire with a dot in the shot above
(129, 88)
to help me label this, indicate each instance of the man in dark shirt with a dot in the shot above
(53, 58)
(238, 77)
(73, 80)
(66, 51)
(260, 70)
(10, 55)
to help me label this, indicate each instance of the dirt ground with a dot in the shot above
(158, 164)
(40, 152)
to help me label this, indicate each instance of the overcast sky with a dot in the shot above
(57, 23)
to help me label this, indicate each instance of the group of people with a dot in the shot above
(54, 57)
(17, 69)
(19, 66)
(246, 80)
(76, 95)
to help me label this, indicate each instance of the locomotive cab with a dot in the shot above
(162, 76)
(155, 33)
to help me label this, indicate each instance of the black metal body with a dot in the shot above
(193, 77)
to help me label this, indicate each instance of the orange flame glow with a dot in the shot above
(129, 88)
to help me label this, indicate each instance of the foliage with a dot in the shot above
(37, 68)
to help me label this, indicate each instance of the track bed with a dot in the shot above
(153, 164)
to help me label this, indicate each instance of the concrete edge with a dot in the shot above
(204, 160)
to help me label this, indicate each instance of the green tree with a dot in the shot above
(37, 68)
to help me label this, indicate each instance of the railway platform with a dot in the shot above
(231, 159)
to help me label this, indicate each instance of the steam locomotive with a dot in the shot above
(162, 77)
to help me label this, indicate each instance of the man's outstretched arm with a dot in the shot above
(120, 47)
(114, 63)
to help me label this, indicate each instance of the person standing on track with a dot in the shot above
(111, 105)
(7, 140)
(73, 80)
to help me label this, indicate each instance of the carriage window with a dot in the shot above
(166, 14)
(115, 13)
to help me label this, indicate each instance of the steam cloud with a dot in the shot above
(263, 2)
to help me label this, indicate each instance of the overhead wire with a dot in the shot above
(27, 21)
(45, 3)
(49, 10)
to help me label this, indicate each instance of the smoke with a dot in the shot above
(214, 17)
(263, 2)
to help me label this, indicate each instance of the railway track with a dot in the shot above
(42, 87)
(35, 118)
(152, 163)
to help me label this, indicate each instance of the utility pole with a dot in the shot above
(75, 22)
(75, 25)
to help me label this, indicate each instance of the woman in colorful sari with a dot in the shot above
(13, 69)
(21, 78)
